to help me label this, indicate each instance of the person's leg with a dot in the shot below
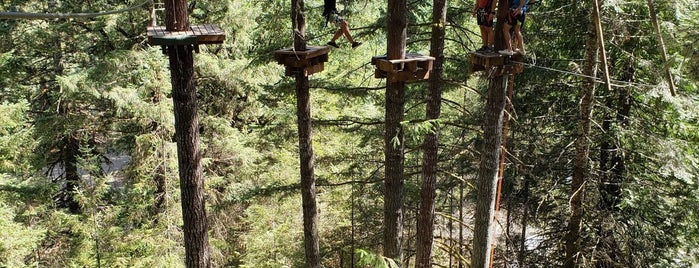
(519, 41)
(344, 28)
(337, 35)
(518, 32)
(507, 36)
(484, 35)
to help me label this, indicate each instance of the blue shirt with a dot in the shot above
(515, 5)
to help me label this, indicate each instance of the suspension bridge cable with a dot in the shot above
(44, 16)
(616, 83)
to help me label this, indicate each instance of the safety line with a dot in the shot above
(596, 79)
(43, 16)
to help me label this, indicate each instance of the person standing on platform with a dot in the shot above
(484, 11)
(515, 19)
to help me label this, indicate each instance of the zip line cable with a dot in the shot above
(616, 83)
(43, 16)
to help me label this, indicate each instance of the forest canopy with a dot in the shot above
(89, 158)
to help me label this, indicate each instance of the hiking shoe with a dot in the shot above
(506, 52)
(483, 49)
(356, 44)
(332, 43)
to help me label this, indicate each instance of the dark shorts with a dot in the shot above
(482, 17)
(338, 21)
(513, 19)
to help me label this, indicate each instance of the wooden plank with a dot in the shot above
(174, 40)
(411, 66)
(206, 34)
(385, 66)
(312, 52)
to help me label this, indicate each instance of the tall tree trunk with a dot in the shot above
(487, 180)
(70, 145)
(582, 145)
(184, 97)
(308, 188)
(486, 185)
(425, 224)
(303, 115)
(659, 34)
(71, 150)
(397, 24)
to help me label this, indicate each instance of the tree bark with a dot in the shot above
(488, 174)
(582, 145)
(184, 97)
(71, 151)
(308, 188)
(425, 224)
(487, 180)
(303, 115)
(397, 24)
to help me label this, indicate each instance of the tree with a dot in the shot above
(396, 25)
(582, 141)
(184, 98)
(487, 178)
(305, 133)
(425, 224)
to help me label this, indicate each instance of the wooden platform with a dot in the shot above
(485, 60)
(306, 62)
(414, 67)
(205, 34)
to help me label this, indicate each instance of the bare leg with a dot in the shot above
(337, 35)
(484, 35)
(519, 40)
(508, 37)
(491, 36)
(344, 28)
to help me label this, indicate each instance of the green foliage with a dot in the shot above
(96, 81)
(20, 240)
(369, 259)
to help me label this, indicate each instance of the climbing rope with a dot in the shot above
(44, 16)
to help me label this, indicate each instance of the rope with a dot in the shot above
(616, 83)
(43, 16)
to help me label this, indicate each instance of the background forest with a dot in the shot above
(85, 108)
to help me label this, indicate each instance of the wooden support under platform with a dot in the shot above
(414, 67)
(481, 61)
(196, 35)
(306, 62)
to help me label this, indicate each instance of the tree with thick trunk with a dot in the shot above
(425, 224)
(184, 97)
(397, 24)
(303, 114)
(582, 144)
(487, 179)
(486, 185)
